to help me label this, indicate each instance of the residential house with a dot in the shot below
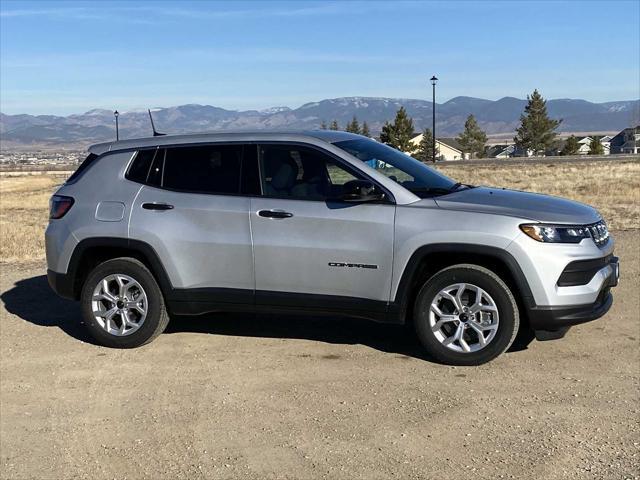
(606, 144)
(584, 145)
(446, 148)
(507, 151)
(627, 141)
(501, 151)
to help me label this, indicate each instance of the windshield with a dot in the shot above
(399, 167)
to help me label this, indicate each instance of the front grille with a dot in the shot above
(599, 233)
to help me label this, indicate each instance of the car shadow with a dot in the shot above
(33, 300)
(395, 339)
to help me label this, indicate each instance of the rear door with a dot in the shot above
(192, 212)
(311, 249)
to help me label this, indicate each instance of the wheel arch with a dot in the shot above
(92, 251)
(429, 259)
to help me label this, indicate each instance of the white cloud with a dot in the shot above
(166, 11)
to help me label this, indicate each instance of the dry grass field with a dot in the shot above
(24, 213)
(613, 188)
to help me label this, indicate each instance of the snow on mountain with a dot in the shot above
(499, 116)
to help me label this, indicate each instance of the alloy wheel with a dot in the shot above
(119, 304)
(463, 317)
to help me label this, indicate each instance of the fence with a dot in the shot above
(545, 160)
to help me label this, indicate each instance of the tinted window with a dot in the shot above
(206, 169)
(139, 169)
(250, 170)
(86, 163)
(302, 172)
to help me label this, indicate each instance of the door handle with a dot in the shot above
(157, 206)
(274, 214)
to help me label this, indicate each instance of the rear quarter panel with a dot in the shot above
(102, 206)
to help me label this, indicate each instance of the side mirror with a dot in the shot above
(360, 191)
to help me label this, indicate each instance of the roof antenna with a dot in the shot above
(117, 114)
(153, 127)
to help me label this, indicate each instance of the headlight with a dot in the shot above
(556, 233)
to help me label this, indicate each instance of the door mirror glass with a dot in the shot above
(360, 191)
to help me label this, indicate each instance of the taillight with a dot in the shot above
(59, 205)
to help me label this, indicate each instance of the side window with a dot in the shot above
(203, 169)
(339, 176)
(139, 169)
(250, 170)
(302, 172)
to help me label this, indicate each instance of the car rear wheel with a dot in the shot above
(122, 305)
(466, 315)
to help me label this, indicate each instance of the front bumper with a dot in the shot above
(558, 319)
(544, 266)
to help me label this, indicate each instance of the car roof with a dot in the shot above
(329, 136)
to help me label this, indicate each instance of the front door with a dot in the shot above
(310, 249)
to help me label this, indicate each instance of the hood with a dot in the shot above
(532, 206)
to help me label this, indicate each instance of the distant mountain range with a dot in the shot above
(500, 116)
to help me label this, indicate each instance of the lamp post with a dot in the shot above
(116, 114)
(434, 80)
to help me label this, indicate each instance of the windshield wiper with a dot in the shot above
(433, 190)
(440, 190)
(457, 185)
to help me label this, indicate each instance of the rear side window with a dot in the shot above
(203, 169)
(139, 169)
(86, 163)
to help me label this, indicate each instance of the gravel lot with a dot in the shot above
(272, 397)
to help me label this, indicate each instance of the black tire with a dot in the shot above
(157, 317)
(509, 319)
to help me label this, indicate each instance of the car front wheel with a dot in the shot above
(466, 315)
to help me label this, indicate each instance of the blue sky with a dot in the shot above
(69, 57)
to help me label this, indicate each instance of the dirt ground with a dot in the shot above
(233, 396)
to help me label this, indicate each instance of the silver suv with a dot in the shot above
(319, 222)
